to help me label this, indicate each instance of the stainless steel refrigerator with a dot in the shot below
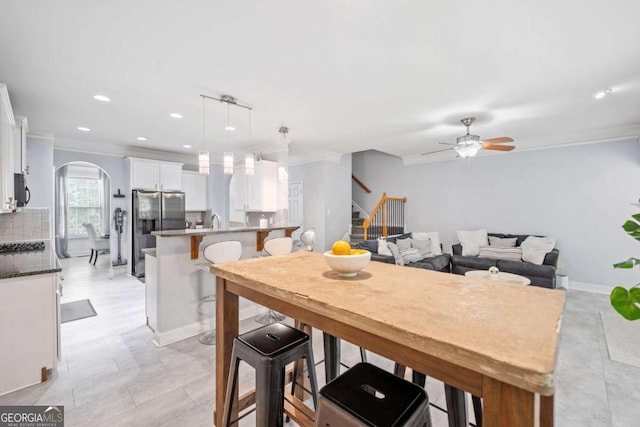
(153, 211)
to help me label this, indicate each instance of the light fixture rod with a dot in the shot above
(227, 99)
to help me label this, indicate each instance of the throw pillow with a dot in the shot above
(411, 255)
(383, 248)
(423, 246)
(535, 248)
(396, 253)
(403, 244)
(496, 252)
(472, 240)
(370, 245)
(395, 237)
(434, 236)
(503, 242)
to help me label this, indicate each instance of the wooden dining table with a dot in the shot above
(498, 341)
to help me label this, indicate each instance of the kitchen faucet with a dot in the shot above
(213, 220)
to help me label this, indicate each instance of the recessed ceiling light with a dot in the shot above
(101, 98)
(141, 138)
(176, 115)
(84, 129)
(186, 146)
(230, 128)
(601, 94)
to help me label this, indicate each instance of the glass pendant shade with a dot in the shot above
(228, 163)
(249, 164)
(203, 163)
(283, 175)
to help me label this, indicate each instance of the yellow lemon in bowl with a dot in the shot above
(341, 247)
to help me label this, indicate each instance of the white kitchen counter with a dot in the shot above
(175, 283)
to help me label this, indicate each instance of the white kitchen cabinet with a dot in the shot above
(263, 187)
(257, 192)
(155, 175)
(7, 148)
(194, 186)
(29, 331)
(20, 148)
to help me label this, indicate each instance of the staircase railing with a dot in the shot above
(386, 219)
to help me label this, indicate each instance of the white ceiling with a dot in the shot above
(344, 75)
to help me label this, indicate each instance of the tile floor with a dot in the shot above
(111, 374)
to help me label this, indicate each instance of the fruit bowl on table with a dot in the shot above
(348, 265)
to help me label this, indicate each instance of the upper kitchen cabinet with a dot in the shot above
(20, 147)
(155, 175)
(7, 150)
(194, 186)
(257, 192)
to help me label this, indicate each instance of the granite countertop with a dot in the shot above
(205, 231)
(30, 263)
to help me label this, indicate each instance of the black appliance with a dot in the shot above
(21, 193)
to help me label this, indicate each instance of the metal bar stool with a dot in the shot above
(366, 395)
(216, 253)
(268, 349)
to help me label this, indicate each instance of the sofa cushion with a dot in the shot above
(403, 244)
(474, 263)
(526, 269)
(472, 240)
(396, 253)
(502, 242)
(534, 249)
(510, 253)
(436, 263)
(434, 236)
(383, 248)
(370, 245)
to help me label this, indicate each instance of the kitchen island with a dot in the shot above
(177, 277)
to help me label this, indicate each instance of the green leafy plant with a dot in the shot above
(627, 301)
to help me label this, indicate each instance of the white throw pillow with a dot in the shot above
(492, 251)
(411, 255)
(383, 248)
(403, 244)
(472, 240)
(502, 242)
(423, 246)
(434, 236)
(535, 248)
(396, 253)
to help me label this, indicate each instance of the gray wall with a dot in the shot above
(40, 178)
(327, 198)
(580, 194)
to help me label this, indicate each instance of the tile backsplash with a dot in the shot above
(27, 224)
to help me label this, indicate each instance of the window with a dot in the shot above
(83, 196)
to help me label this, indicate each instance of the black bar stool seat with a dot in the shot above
(366, 395)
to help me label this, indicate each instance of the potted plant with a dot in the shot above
(627, 301)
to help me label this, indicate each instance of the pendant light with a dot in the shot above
(203, 156)
(228, 155)
(283, 174)
(249, 158)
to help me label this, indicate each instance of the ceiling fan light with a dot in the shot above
(467, 151)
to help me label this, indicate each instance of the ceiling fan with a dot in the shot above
(468, 145)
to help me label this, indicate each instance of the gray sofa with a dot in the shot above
(540, 275)
(436, 263)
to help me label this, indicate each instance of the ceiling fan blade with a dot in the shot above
(497, 140)
(438, 151)
(498, 147)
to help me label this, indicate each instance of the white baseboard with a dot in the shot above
(165, 338)
(589, 287)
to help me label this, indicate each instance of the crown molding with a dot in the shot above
(6, 103)
(38, 136)
(117, 150)
(544, 143)
(314, 156)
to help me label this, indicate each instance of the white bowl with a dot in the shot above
(347, 265)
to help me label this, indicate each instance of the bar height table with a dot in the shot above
(497, 341)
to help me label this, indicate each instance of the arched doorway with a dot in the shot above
(82, 195)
